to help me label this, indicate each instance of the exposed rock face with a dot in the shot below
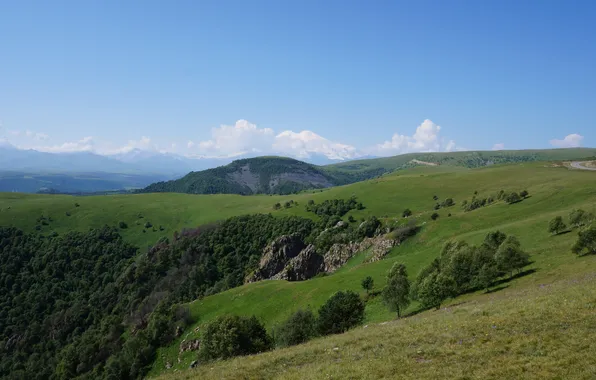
(339, 254)
(287, 258)
(306, 265)
(276, 256)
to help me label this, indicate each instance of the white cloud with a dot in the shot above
(306, 143)
(242, 137)
(425, 139)
(451, 146)
(570, 141)
(499, 146)
(191, 144)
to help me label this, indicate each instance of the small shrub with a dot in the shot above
(523, 193)
(351, 219)
(556, 226)
(298, 328)
(586, 242)
(434, 216)
(67, 213)
(122, 225)
(407, 212)
(230, 335)
(367, 284)
(148, 225)
(341, 312)
(77, 205)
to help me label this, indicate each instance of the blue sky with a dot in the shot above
(341, 78)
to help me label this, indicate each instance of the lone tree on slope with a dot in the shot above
(556, 226)
(396, 293)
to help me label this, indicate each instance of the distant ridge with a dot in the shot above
(282, 175)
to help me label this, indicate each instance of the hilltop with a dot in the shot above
(280, 175)
(261, 175)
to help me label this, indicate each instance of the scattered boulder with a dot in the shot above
(168, 365)
(276, 256)
(189, 345)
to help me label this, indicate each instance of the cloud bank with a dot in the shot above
(246, 138)
(570, 141)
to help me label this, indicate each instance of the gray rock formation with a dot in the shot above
(276, 256)
(306, 265)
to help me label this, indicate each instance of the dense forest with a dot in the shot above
(89, 305)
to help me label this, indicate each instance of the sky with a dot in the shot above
(343, 79)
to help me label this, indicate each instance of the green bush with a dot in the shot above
(231, 335)
(434, 216)
(122, 225)
(298, 328)
(148, 225)
(341, 312)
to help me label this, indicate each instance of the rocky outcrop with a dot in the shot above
(287, 258)
(276, 256)
(339, 254)
(306, 265)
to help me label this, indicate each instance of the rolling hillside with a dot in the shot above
(554, 190)
(279, 175)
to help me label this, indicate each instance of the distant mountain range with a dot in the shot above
(33, 171)
(281, 175)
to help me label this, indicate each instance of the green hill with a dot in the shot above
(261, 175)
(280, 175)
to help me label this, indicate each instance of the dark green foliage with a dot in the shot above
(65, 302)
(277, 206)
(437, 206)
(52, 292)
(523, 193)
(67, 213)
(486, 276)
(556, 226)
(435, 289)
(407, 212)
(396, 294)
(123, 225)
(341, 312)
(580, 218)
(298, 328)
(230, 335)
(434, 216)
(367, 284)
(461, 268)
(447, 202)
(512, 198)
(148, 225)
(287, 204)
(368, 228)
(586, 242)
(510, 257)
(333, 207)
(77, 205)
(351, 219)
(435, 198)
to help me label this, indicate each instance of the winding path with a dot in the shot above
(578, 165)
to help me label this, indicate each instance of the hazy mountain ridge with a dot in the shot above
(279, 175)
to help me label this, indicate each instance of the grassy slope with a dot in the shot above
(538, 332)
(554, 191)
